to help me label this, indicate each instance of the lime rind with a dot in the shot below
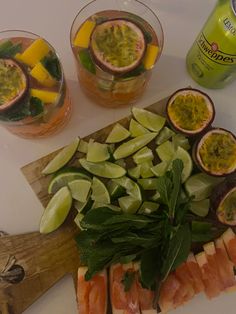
(100, 192)
(62, 158)
(97, 152)
(80, 189)
(183, 155)
(148, 119)
(111, 206)
(56, 211)
(132, 146)
(136, 129)
(117, 134)
(103, 169)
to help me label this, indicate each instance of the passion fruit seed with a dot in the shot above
(216, 152)
(13, 83)
(117, 45)
(190, 111)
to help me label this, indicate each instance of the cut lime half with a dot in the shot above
(100, 192)
(148, 119)
(62, 158)
(56, 211)
(80, 189)
(103, 169)
(117, 134)
(62, 178)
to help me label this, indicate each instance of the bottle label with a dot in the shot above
(212, 51)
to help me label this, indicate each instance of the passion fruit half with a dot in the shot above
(190, 111)
(215, 152)
(223, 201)
(117, 45)
(13, 83)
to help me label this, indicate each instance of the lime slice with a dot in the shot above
(148, 119)
(136, 129)
(148, 208)
(100, 192)
(80, 189)
(131, 187)
(166, 151)
(146, 169)
(103, 169)
(164, 135)
(180, 140)
(117, 134)
(56, 211)
(183, 155)
(84, 207)
(115, 190)
(201, 185)
(200, 208)
(78, 220)
(135, 172)
(83, 146)
(97, 152)
(128, 148)
(112, 207)
(63, 177)
(160, 169)
(129, 204)
(62, 157)
(148, 184)
(143, 155)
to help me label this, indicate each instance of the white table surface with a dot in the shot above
(20, 209)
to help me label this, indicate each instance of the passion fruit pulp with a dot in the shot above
(223, 201)
(117, 45)
(13, 83)
(190, 111)
(215, 152)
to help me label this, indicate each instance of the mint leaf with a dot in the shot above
(150, 266)
(36, 106)
(177, 168)
(8, 49)
(52, 65)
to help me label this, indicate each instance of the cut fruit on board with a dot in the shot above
(148, 119)
(100, 192)
(117, 134)
(80, 189)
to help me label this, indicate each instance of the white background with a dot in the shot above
(20, 209)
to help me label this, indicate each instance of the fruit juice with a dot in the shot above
(104, 77)
(34, 100)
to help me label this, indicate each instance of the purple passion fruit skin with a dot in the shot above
(190, 111)
(13, 83)
(117, 46)
(223, 201)
(215, 152)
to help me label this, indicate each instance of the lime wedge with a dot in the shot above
(117, 134)
(112, 207)
(146, 169)
(100, 192)
(164, 135)
(183, 155)
(62, 157)
(135, 172)
(115, 190)
(83, 147)
(166, 151)
(97, 152)
(143, 155)
(129, 204)
(103, 169)
(201, 185)
(78, 220)
(148, 208)
(148, 184)
(63, 177)
(131, 187)
(200, 208)
(80, 189)
(180, 140)
(136, 129)
(84, 207)
(128, 148)
(56, 211)
(148, 119)
(160, 169)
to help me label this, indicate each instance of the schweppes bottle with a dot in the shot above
(211, 61)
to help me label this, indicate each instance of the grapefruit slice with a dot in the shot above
(92, 294)
(229, 239)
(117, 45)
(123, 301)
(195, 273)
(185, 279)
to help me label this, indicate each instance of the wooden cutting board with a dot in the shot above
(39, 261)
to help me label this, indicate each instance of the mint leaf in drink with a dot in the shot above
(8, 49)
(52, 65)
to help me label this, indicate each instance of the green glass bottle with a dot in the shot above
(211, 61)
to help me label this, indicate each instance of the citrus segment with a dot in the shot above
(97, 152)
(148, 119)
(117, 134)
(80, 189)
(136, 129)
(100, 192)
